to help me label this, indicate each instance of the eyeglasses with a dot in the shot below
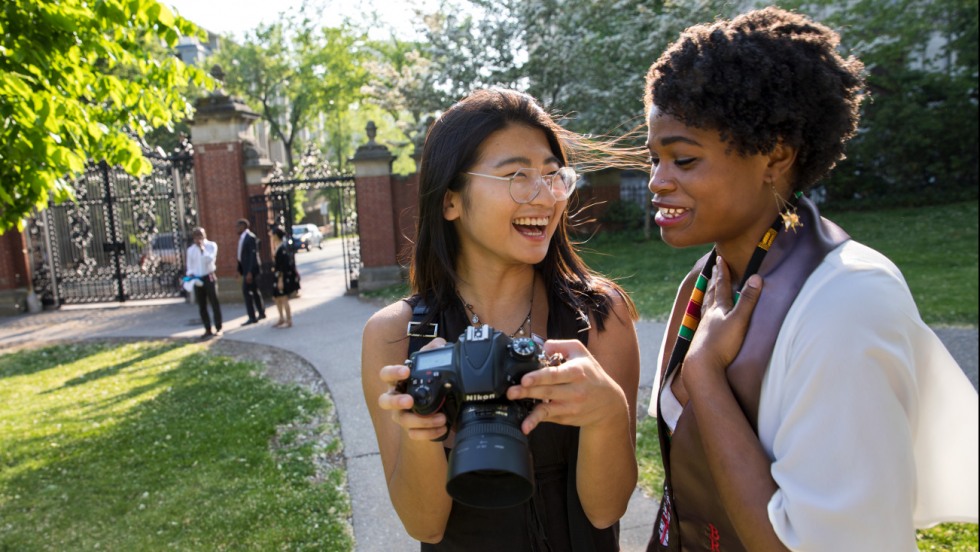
(526, 184)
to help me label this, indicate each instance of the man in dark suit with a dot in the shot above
(248, 267)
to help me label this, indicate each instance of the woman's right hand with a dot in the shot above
(723, 326)
(418, 427)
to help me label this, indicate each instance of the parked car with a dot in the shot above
(161, 251)
(306, 236)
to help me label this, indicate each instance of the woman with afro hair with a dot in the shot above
(840, 421)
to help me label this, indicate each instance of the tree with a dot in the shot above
(300, 78)
(402, 84)
(79, 82)
(918, 138)
(588, 63)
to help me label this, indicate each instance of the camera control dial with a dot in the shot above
(522, 347)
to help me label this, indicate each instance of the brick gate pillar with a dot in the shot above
(377, 221)
(229, 168)
(14, 273)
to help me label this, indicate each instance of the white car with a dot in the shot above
(306, 236)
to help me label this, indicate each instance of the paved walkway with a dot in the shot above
(326, 332)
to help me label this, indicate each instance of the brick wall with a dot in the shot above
(222, 198)
(13, 268)
(376, 220)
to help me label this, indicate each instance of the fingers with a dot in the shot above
(434, 344)
(748, 298)
(541, 412)
(421, 428)
(394, 373)
(418, 427)
(721, 292)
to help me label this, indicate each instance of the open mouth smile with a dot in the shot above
(531, 226)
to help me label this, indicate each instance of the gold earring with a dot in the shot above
(787, 211)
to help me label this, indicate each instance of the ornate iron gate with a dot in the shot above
(276, 208)
(122, 238)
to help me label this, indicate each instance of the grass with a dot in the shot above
(935, 247)
(159, 445)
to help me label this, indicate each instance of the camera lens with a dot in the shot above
(491, 465)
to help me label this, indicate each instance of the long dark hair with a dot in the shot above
(451, 148)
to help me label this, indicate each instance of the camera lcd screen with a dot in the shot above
(434, 359)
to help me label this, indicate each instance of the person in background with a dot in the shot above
(834, 418)
(201, 258)
(286, 277)
(249, 267)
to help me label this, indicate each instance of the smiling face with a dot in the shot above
(705, 193)
(490, 224)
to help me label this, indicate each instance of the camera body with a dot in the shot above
(477, 368)
(490, 465)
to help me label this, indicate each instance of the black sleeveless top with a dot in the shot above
(553, 519)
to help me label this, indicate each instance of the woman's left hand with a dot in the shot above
(577, 392)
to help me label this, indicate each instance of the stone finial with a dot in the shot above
(373, 150)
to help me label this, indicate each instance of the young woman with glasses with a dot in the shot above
(492, 247)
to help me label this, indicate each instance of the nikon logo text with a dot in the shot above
(481, 396)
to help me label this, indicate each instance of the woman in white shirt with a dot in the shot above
(840, 422)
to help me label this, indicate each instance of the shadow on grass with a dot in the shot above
(32, 361)
(114, 369)
(186, 466)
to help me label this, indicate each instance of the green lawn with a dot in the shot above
(162, 445)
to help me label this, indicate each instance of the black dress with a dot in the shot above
(285, 266)
(553, 519)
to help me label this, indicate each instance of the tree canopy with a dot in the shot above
(83, 80)
(299, 77)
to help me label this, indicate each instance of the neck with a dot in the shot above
(502, 300)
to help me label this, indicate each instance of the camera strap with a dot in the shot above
(420, 332)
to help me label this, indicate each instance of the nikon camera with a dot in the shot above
(490, 465)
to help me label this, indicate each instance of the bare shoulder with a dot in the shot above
(388, 325)
(622, 313)
(619, 332)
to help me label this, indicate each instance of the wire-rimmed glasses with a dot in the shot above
(526, 183)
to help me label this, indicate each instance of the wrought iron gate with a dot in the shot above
(122, 238)
(276, 208)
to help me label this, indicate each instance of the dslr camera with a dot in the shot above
(490, 465)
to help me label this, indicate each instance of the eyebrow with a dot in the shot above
(668, 140)
(523, 160)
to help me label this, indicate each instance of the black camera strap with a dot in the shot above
(420, 332)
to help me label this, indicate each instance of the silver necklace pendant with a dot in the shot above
(475, 320)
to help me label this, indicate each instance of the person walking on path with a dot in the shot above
(249, 266)
(286, 276)
(840, 421)
(202, 256)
